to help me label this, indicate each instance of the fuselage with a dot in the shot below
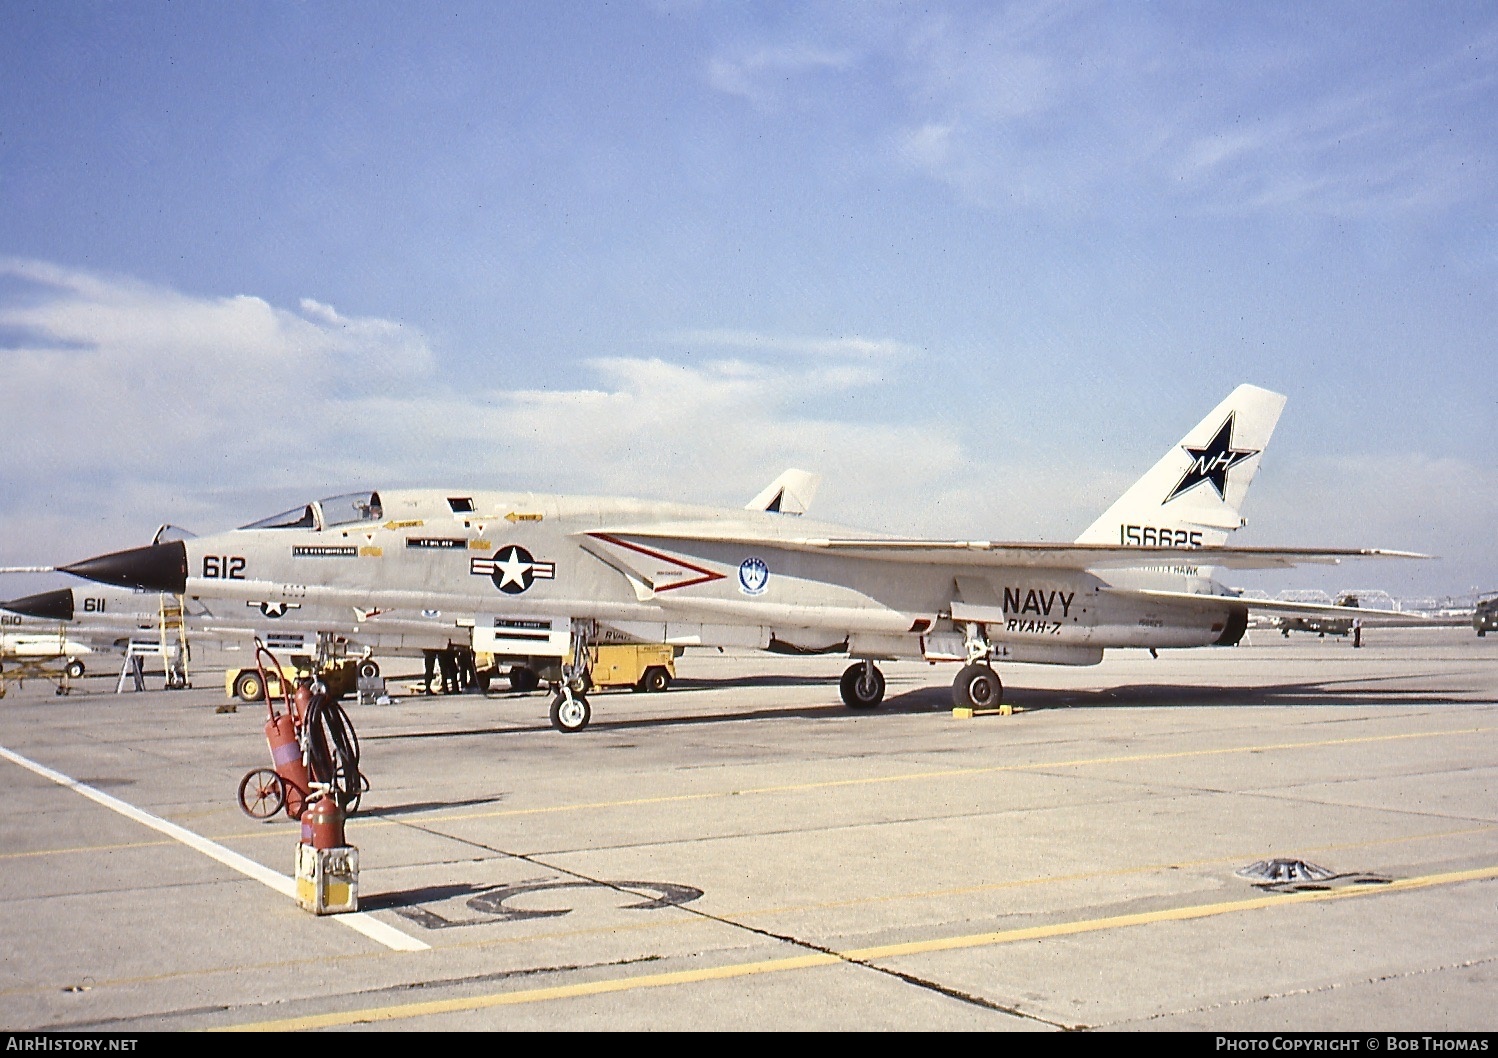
(475, 566)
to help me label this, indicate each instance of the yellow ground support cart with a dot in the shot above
(341, 676)
(643, 667)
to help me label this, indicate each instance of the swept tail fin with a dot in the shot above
(1194, 495)
(791, 493)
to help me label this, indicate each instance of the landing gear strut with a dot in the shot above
(569, 707)
(862, 685)
(977, 686)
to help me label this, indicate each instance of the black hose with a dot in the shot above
(333, 749)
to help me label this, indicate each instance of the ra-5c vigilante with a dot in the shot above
(530, 575)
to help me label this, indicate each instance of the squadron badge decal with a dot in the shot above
(754, 576)
(1212, 462)
(513, 569)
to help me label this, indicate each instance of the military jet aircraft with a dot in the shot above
(106, 617)
(67, 625)
(64, 623)
(524, 573)
(37, 644)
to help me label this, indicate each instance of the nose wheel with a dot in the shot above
(569, 711)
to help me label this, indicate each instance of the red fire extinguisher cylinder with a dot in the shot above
(322, 823)
(286, 755)
(300, 700)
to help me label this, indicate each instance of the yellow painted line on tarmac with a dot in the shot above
(1178, 914)
(370, 1015)
(951, 773)
(536, 995)
(1092, 876)
(72, 849)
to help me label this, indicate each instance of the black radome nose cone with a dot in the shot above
(48, 605)
(158, 567)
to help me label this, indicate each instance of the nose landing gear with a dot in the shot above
(570, 712)
(569, 706)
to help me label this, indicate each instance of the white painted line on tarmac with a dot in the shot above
(357, 921)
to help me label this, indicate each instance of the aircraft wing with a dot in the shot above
(1009, 554)
(1282, 607)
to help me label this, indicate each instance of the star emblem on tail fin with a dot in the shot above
(1212, 462)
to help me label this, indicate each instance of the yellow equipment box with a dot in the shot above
(650, 667)
(244, 684)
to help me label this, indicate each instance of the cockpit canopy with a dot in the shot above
(349, 509)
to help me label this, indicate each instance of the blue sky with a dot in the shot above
(978, 264)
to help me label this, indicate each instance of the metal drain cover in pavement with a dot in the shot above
(1281, 871)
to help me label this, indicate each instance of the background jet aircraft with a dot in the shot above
(68, 625)
(533, 574)
(105, 618)
(36, 643)
(1336, 619)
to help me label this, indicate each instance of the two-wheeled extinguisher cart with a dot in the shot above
(312, 745)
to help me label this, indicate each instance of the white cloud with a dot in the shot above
(766, 75)
(928, 146)
(1068, 105)
(130, 405)
(118, 376)
(850, 346)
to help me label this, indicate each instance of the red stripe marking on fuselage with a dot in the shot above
(707, 575)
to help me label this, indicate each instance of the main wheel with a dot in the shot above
(248, 687)
(570, 714)
(74, 669)
(655, 680)
(368, 669)
(976, 687)
(261, 794)
(862, 686)
(523, 680)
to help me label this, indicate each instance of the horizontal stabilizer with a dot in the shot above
(1367, 615)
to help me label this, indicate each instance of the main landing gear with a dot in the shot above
(977, 686)
(862, 685)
